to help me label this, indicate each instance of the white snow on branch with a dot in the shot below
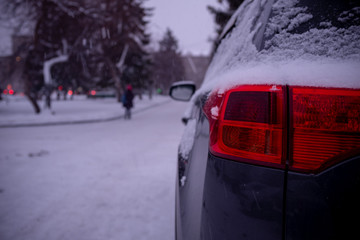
(49, 63)
(64, 8)
(120, 64)
(192, 65)
(187, 139)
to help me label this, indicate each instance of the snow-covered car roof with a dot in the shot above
(285, 42)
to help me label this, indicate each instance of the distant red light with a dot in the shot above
(70, 92)
(92, 92)
(5, 91)
(60, 88)
(11, 92)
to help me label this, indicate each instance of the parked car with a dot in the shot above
(101, 93)
(271, 149)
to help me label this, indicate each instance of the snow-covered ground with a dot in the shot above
(104, 180)
(17, 110)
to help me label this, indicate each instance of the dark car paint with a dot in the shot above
(230, 199)
(190, 193)
(324, 206)
(224, 199)
(242, 201)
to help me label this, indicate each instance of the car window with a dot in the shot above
(321, 28)
(236, 44)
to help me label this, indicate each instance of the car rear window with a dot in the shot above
(320, 28)
(289, 42)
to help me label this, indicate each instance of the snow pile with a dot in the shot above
(350, 16)
(326, 57)
(215, 112)
(238, 44)
(287, 17)
(187, 139)
(328, 41)
(334, 43)
(320, 73)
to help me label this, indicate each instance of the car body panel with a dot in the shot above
(190, 182)
(242, 201)
(224, 199)
(324, 206)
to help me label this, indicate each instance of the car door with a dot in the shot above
(193, 152)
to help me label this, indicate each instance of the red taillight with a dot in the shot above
(92, 92)
(326, 127)
(310, 130)
(246, 124)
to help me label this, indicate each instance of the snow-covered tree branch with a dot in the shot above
(47, 67)
(84, 43)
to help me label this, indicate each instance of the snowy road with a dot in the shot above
(103, 181)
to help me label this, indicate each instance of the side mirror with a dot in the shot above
(182, 91)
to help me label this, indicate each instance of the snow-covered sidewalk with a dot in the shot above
(16, 111)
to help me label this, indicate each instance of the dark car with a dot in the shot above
(271, 149)
(101, 93)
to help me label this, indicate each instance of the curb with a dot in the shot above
(81, 121)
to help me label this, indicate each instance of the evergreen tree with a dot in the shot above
(123, 40)
(168, 67)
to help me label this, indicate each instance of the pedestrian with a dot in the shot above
(128, 101)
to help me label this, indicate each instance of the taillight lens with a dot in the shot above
(326, 127)
(310, 130)
(246, 124)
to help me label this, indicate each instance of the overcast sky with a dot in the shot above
(189, 20)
